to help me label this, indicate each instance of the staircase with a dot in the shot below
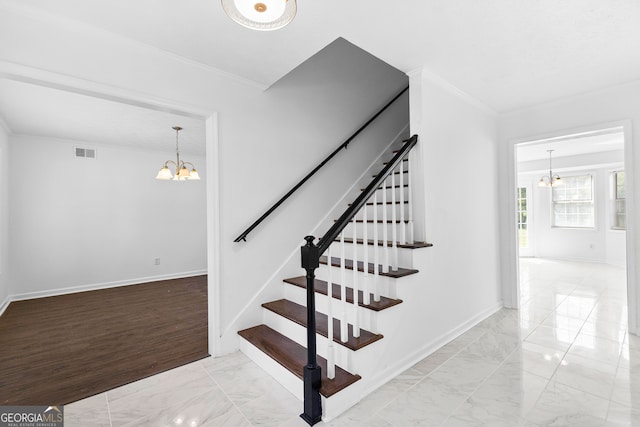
(369, 253)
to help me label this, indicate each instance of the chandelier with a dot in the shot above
(182, 173)
(550, 180)
(262, 15)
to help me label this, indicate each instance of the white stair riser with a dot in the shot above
(386, 285)
(405, 256)
(331, 407)
(389, 192)
(348, 231)
(273, 368)
(370, 320)
(361, 362)
(388, 208)
(385, 282)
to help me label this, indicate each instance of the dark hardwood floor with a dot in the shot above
(61, 349)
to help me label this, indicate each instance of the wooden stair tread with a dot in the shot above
(388, 187)
(415, 245)
(389, 221)
(406, 202)
(320, 287)
(404, 160)
(293, 357)
(298, 314)
(395, 173)
(400, 272)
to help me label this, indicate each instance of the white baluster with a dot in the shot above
(385, 231)
(356, 323)
(331, 362)
(344, 332)
(376, 250)
(366, 298)
(410, 207)
(403, 226)
(394, 225)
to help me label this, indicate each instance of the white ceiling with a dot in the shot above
(568, 146)
(507, 54)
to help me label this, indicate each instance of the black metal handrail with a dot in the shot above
(344, 145)
(310, 261)
(347, 216)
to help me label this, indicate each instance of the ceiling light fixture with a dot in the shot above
(550, 180)
(262, 15)
(182, 173)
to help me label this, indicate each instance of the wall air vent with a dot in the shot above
(87, 153)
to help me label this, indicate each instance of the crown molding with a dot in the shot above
(427, 74)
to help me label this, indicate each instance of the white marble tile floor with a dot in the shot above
(563, 359)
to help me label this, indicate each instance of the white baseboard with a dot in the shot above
(613, 262)
(5, 304)
(571, 259)
(105, 285)
(445, 338)
(402, 365)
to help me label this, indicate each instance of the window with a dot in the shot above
(523, 234)
(573, 202)
(619, 202)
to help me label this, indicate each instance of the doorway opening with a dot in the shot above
(79, 113)
(571, 239)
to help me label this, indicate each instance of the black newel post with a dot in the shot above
(312, 404)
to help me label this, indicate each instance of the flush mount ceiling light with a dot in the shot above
(182, 173)
(262, 15)
(550, 180)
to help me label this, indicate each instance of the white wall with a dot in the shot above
(600, 244)
(303, 118)
(616, 247)
(267, 140)
(4, 218)
(82, 223)
(457, 150)
(587, 111)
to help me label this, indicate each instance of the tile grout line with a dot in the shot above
(567, 352)
(485, 380)
(525, 417)
(429, 374)
(514, 350)
(547, 379)
(106, 398)
(225, 393)
(497, 368)
(615, 377)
